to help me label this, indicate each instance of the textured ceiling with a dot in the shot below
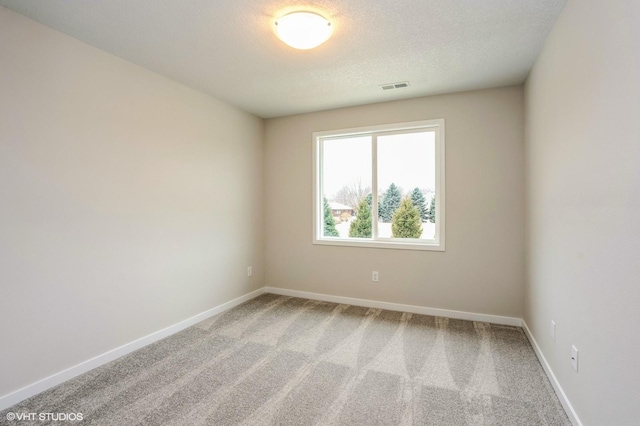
(227, 48)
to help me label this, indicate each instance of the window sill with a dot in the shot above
(382, 244)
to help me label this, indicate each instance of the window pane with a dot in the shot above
(346, 181)
(406, 185)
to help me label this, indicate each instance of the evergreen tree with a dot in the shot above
(406, 221)
(329, 223)
(361, 226)
(431, 214)
(390, 203)
(417, 197)
(369, 199)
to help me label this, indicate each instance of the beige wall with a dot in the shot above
(583, 160)
(482, 269)
(128, 202)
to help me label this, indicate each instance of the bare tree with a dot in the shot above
(352, 193)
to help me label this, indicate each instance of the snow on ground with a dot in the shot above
(384, 230)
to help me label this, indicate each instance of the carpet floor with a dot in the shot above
(279, 360)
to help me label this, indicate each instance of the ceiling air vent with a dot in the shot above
(398, 85)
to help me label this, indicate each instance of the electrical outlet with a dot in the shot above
(574, 358)
(249, 271)
(553, 330)
(374, 276)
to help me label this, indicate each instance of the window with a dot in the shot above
(380, 186)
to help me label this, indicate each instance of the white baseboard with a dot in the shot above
(495, 319)
(28, 391)
(568, 408)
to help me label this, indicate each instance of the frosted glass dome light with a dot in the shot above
(303, 30)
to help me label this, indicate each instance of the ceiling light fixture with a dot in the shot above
(303, 30)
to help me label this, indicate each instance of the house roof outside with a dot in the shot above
(338, 206)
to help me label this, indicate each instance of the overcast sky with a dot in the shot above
(408, 160)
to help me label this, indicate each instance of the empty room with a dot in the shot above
(259, 212)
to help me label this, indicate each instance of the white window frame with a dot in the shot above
(436, 244)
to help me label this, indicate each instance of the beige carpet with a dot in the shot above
(286, 361)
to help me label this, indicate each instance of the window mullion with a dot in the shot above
(374, 186)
